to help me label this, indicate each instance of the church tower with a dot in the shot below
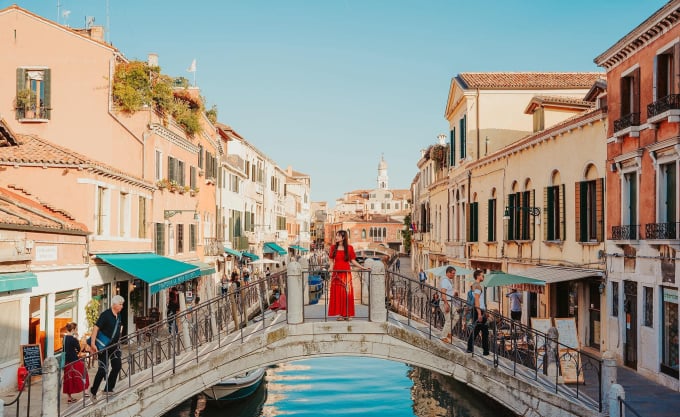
(382, 174)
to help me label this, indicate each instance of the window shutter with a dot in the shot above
(599, 201)
(636, 91)
(47, 85)
(563, 215)
(180, 173)
(657, 79)
(583, 210)
(171, 168)
(468, 222)
(192, 177)
(489, 221)
(509, 222)
(577, 211)
(463, 145)
(21, 84)
(675, 85)
(453, 147)
(530, 218)
(547, 213)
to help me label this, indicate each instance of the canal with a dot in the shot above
(351, 386)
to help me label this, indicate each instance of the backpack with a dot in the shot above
(470, 304)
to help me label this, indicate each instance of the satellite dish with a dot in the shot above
(89, 21)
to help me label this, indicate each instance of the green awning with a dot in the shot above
(18, 281)
(252, 256)
(300, 248)
(206, 269)
(232, 252)
(157, 271)
(278, 249)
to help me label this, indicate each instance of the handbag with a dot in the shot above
(102, 341)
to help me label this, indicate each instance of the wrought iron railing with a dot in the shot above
(661, 231)
(32, 113)
(670, 102)
(625, 406)
(632, 119)
(626, 232)
(213, 247)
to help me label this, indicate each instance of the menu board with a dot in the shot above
(570, 367)
(568, 334)
(541, 325)
(31, 357)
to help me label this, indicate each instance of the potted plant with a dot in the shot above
(194, 191)
(25, 101)
(172, 186)
(92, 313)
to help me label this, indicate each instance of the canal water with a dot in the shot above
(351, 386)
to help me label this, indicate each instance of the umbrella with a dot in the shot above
(499, 279)
(263, 261)
(440, 271)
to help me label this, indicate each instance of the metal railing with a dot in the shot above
(525, 352)
(626, 232)
(37, 113)
(670, 102)
(661, 231)
(629, 120)
(625, 406)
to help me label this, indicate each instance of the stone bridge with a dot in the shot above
(305, 332)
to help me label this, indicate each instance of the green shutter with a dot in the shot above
(490, 224)
(562, 213)
(463, 135)
(577, 212)
(47, 86)
(547, 211)
(21, 84)
(453, 147)
(583, 210)
(530, 218)
(671, 196)
(599, 201)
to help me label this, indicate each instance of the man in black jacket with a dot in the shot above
(109, 325)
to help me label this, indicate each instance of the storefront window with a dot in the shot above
(670, 356)
(101, 294)
(65, 311)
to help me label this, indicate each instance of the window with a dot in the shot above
(193, 238)
(664, 64)
(539, 119)
(463, 146)
(33, 93)
(649, 307)
(176, 171)
(11, 324)
(159, 165)
(363, 234)
(141, 232)
(629, 204)
(122, 214)
(193, 178)
(520, 225)
(615, 299)
(159, 238)
(101, 210)
(670, 357)
(554, 212)
(589, 202)
(452, 148)
(180, 238)
(201, 157)
(491, 221)
(630, 100)
(473, 226)
(668, 204)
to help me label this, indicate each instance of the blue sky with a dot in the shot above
(329, 86)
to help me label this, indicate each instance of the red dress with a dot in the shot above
(76, 378)
(341, 301)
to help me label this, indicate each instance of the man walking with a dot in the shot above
(515, 304)
(398, 264)
(479, 315)
(422, 277)
(446, 304)
(109, 325)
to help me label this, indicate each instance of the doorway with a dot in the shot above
(630, 325)
(122, 289)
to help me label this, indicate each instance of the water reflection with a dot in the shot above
(350, 386)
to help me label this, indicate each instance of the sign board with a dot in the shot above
(31, 357)
(570, 365)
(568, 334)
(541, 325)
(46, 253)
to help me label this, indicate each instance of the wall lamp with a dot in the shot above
(169, 213)
(534, 211)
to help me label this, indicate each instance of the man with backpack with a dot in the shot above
(479, 315)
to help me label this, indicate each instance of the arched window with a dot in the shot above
(363, 233)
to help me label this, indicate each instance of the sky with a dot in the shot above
(330, 87)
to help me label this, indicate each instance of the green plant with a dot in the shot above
(92, 313)
(211, 114)
(136, 300)
(25, 98)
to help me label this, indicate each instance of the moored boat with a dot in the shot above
(241, 386)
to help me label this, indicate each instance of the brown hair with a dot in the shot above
(345, 245)
(71, 326)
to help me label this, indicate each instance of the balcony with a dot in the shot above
(664, 231)
(213, 247)
(628, 125)
(666, 108)
(28, 114)
(239, 243)
(626, 232)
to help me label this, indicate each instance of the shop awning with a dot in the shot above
(157, 271)
(252, 256)
(278, 249)
(300, 248)
(232, 252)
(553, 274)
(206, 269)
(18, 281)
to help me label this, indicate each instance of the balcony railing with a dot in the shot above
(626, 232)
(32, 113)
(661, 231)
(240, 242)
(213, 247)
(625, 122)
(670, 102)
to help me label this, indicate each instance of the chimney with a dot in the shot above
(152, 59)
(97, 33)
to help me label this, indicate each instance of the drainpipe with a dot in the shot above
(478, 128)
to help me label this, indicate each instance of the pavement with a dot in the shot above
(646, 397)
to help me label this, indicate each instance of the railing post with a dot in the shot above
(2, 408)
(609, 376)
(616, 407)
(377, 309)
(304, 266)
(50, 387)
(295, 293)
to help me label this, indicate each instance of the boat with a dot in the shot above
(241, 386)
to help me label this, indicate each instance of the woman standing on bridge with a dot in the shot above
(342, 256)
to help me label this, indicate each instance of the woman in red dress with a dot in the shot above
(76, 378)
(342, 256)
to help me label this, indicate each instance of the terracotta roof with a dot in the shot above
(557, 101)
(33, 150)
(21, 211)
(528, 80)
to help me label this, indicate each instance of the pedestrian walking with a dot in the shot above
(446, 305)
(108, 324)
(479, 315)
(515, 304)
(422, 277)
(76, 378)
(398, 264)
(173, 308)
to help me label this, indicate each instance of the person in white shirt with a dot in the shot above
(515, 304)
(446, 304)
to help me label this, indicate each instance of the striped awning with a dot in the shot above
(553, 274)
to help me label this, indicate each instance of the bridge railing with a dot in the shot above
(357, 291)
(525, 352)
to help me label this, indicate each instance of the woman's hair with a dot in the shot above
(71, 326)
(345, 245)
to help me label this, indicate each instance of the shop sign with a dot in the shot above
(670, 295)
(45, 253)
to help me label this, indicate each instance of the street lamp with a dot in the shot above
(534, 211)
(169, 213)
